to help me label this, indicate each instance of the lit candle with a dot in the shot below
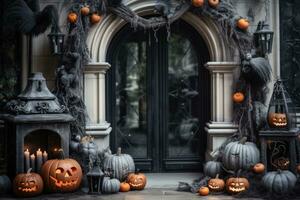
(32, 162)
(39, 160)
(26, 160)
(45, 156)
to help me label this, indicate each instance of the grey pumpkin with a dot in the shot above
(279, 182)
(120, 164)
(240, 155)
(110, 186)
(5, 184)
(212, 168)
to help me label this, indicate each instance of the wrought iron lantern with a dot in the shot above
(281, 112)
(94, 177)
(263, 37)
(278, 140)
(56, 39)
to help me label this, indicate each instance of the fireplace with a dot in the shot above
(35, 121)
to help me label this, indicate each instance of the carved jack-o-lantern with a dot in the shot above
(28, 185)
(277, 119)
(237, 185)
(61, 175)
(137, 181)
(216, 184)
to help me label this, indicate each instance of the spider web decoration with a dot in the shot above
(224, 14)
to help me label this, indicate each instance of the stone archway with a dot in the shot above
(221, 68)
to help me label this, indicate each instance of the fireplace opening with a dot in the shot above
(43, 140)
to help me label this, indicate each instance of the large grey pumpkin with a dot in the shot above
(5, 184)
(279, 181)
(120, 164)
(87, 146)
(110, 186)
(240, 155)
(212, 168)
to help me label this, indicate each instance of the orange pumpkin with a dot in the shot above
(137, 181)
(204, 191)
(85, 10)
(124, 187)
(277, 119)
(61, 175)
(28, 185)
(259, 168)
(197, 3)
(243, 24)
(238, 97)
(213, 3)
(237, 185)
(216, 184)
(72, 17)
(95, 18)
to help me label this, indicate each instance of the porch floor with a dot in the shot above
(160, 186)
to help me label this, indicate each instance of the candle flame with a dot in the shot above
(39, 149)
(27, 150)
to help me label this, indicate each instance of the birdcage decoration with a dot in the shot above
(281, 112)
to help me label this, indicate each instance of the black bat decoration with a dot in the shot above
(28, 19)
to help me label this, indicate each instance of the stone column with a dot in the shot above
(220, 127)
(94, 98)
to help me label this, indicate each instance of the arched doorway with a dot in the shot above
(158, 97)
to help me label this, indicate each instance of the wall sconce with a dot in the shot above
(56, 39)
(263, 38)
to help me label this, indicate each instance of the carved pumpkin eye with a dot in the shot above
(32, 182)
(59, 170)
(242, 184)
(74, 169)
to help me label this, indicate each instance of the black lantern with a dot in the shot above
(281, 112)
(263, 37)
(56, 39)
(94, 177)
(279, 138)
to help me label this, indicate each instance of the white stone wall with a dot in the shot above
(220, 126)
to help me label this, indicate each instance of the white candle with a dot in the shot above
(45, 156)
(26, 160)
(32, 162)
(39, 160)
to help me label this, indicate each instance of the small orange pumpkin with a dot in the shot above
(259, 168)
(72, 17)
(277, 119)
(85, 10)
(137, 181)
(243, 24)
(213, 3)
(238, 97)
(237, 185)
(28, 185)
(204, 191)
(124, 187)
(216, 184)
(95, 18)
(197, 3)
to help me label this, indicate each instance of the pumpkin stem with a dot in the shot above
(28, 171)
(243, 140)
(217, 176)
(119, 151)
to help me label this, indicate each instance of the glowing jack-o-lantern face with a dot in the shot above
(216, 184)
(237, 185)
(28, 185)
(137, 181)
(61, 175)
(277, 119)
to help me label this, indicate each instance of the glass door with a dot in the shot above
(159, 97)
